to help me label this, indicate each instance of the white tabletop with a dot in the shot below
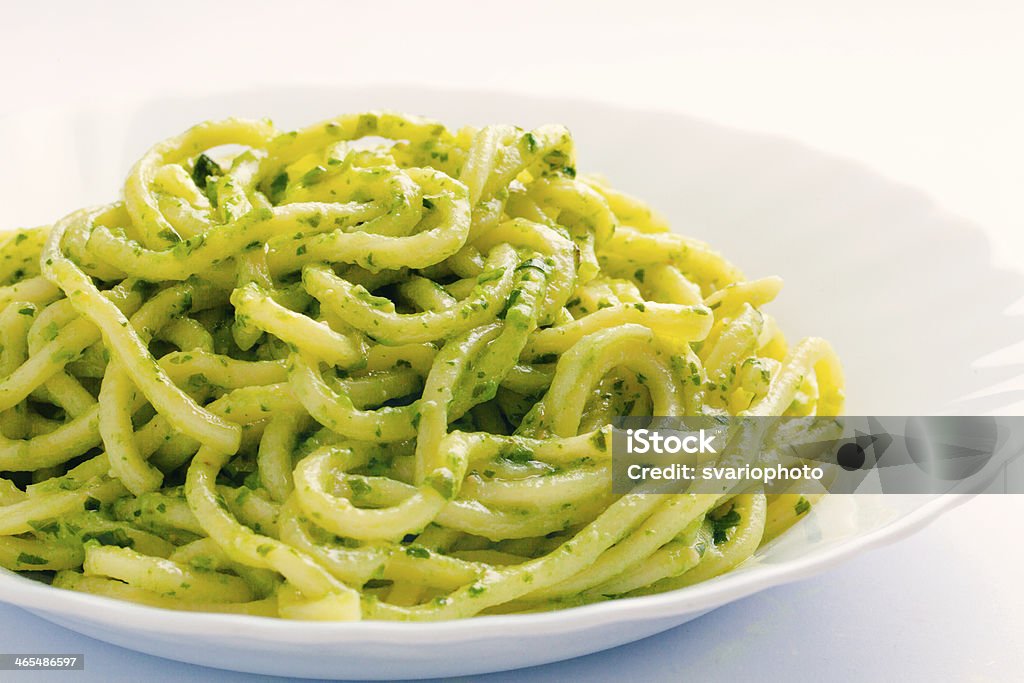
(926, 93)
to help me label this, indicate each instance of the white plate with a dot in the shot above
(902, 290)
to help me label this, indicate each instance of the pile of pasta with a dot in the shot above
(367, 370)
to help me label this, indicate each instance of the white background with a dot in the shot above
(926, 93)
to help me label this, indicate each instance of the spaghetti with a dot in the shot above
(366, 370)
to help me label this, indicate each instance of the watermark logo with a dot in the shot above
(851, 454)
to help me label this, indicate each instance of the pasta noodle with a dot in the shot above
(366, 370)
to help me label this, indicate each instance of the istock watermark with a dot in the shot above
(850, 454)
